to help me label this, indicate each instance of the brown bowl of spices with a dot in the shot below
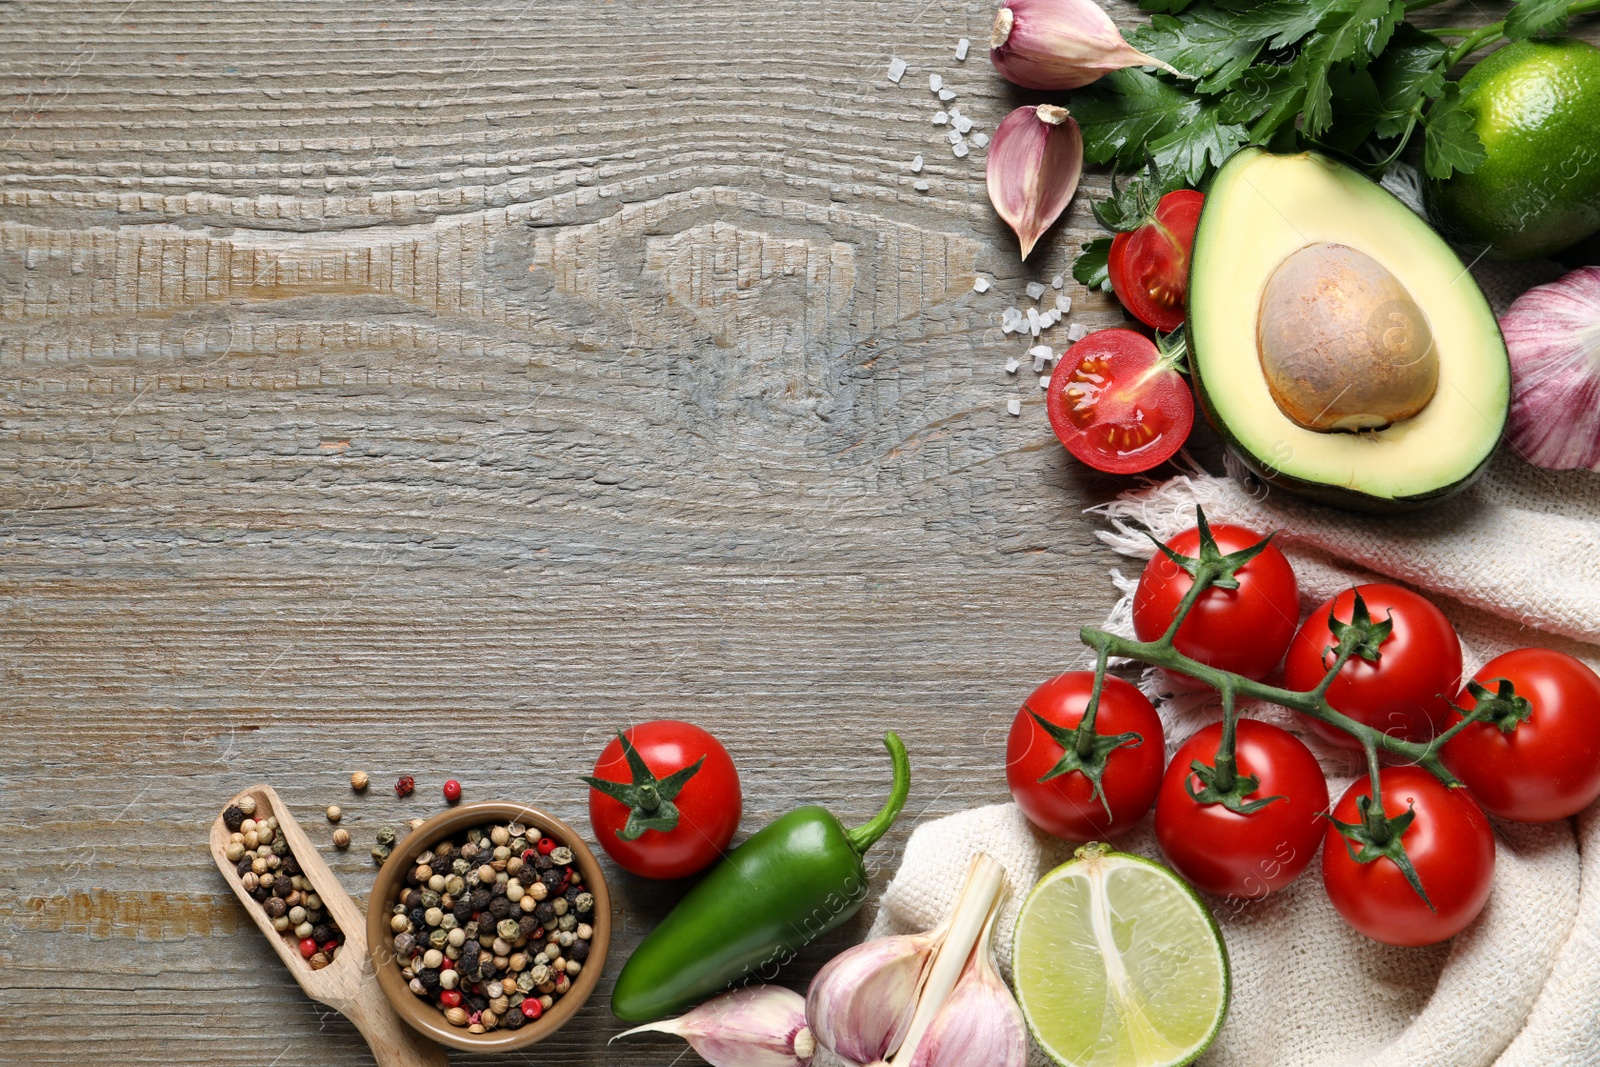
(488, 926)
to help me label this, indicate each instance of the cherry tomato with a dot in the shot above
(1150, 265)
(1243, 630)
(1118, 404)
(1449, 844)
(1244, 855)
(708, 805)
(1548, 767)
(1066, 806)
(1407, 692)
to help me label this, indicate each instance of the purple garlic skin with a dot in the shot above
(1059, 44)
(756, 1026)
(1552, 334)
(860, 1004)
(1035, 161)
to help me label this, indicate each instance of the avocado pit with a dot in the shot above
(1342, 343)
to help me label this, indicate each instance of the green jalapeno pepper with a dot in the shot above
(790, 883)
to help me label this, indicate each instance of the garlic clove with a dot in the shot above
(1035, 160)
(1552, 334)
(860, 1004)
(981, 1024)
(1060, 44)
(757, 1026)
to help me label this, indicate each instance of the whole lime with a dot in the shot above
(1536, 107)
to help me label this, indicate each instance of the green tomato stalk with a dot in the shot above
(1377, 835)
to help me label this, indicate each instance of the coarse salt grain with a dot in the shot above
(961, 48)
(955, 137)
(1044, 381)
(947, 95)
(980, 284)
(959, 149)
(1041, 355)
(1033, 321)
(897, 70)
(921, 187)
(1077, 332)
(1014, 406)
(981, 140)
(1012, 366)
(916, 165)
(940, 118)
(1035, 290)
(964, 124)
(1063, 303)
(1058, 281)
(935, 82)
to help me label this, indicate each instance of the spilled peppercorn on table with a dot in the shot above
(428, 391)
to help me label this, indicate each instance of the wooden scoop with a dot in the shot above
(348, 984)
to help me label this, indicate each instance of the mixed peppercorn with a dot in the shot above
(272, 877)
(493, 926)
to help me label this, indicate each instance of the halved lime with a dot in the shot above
(1118, 964)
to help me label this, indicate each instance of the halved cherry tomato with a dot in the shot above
(1118, 404)
(1150, 265)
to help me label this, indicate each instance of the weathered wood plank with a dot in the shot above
(431, 389)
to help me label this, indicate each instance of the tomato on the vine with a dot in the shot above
(1118, 403)
(1548, 766)
(1243, 630)
(664, 799)
(1407, 692)
(1149, 266)
(1449, 844)
(1252, 853)
(1066, 805)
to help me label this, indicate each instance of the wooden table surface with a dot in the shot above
(432, 388)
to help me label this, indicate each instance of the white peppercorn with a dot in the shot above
(334, 813)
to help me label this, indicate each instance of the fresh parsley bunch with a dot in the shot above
(1351, 78)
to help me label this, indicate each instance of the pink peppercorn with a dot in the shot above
(546, 846)
(308, 948)
(452, 791)
(450, 998)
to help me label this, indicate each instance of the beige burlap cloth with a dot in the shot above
(1515, 561)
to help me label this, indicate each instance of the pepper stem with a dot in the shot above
(866, 835)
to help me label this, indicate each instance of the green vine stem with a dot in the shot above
(1377, 835)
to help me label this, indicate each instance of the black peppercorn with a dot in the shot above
(462, 912)
(514, 1018)
(429, 977)
(528, 875)
(244, 867)
(322, 933)
(498, 890)
(470, 952)
(290, 866)
(578, 950)
(545, 913)
(261, 894)
(552, 879)
(480, 899)
(282, 887)
(479, 1003)
(542, 863)
(275, 907)
(528, 925)
(233, 817)
(411, 898)
(440, 864)
(419, 918)
(572, 894)
(499, 906)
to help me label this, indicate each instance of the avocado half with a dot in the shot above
(1261, 209)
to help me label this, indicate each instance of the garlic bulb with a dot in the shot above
(757, 1026)
(1552, 333)
(1059, 44)
(1035, 160)
(859, 1005)
(981, 1024)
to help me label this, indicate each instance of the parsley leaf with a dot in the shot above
(1351, 35)
(1204, 44)
(1197, 145)
(1449, 142)
(1170, 7)
(1126, 108)
(1407, 74)
(1280, 23)
(1534, 18)
(1092, 268)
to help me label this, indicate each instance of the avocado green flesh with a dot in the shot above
(1262, 208)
